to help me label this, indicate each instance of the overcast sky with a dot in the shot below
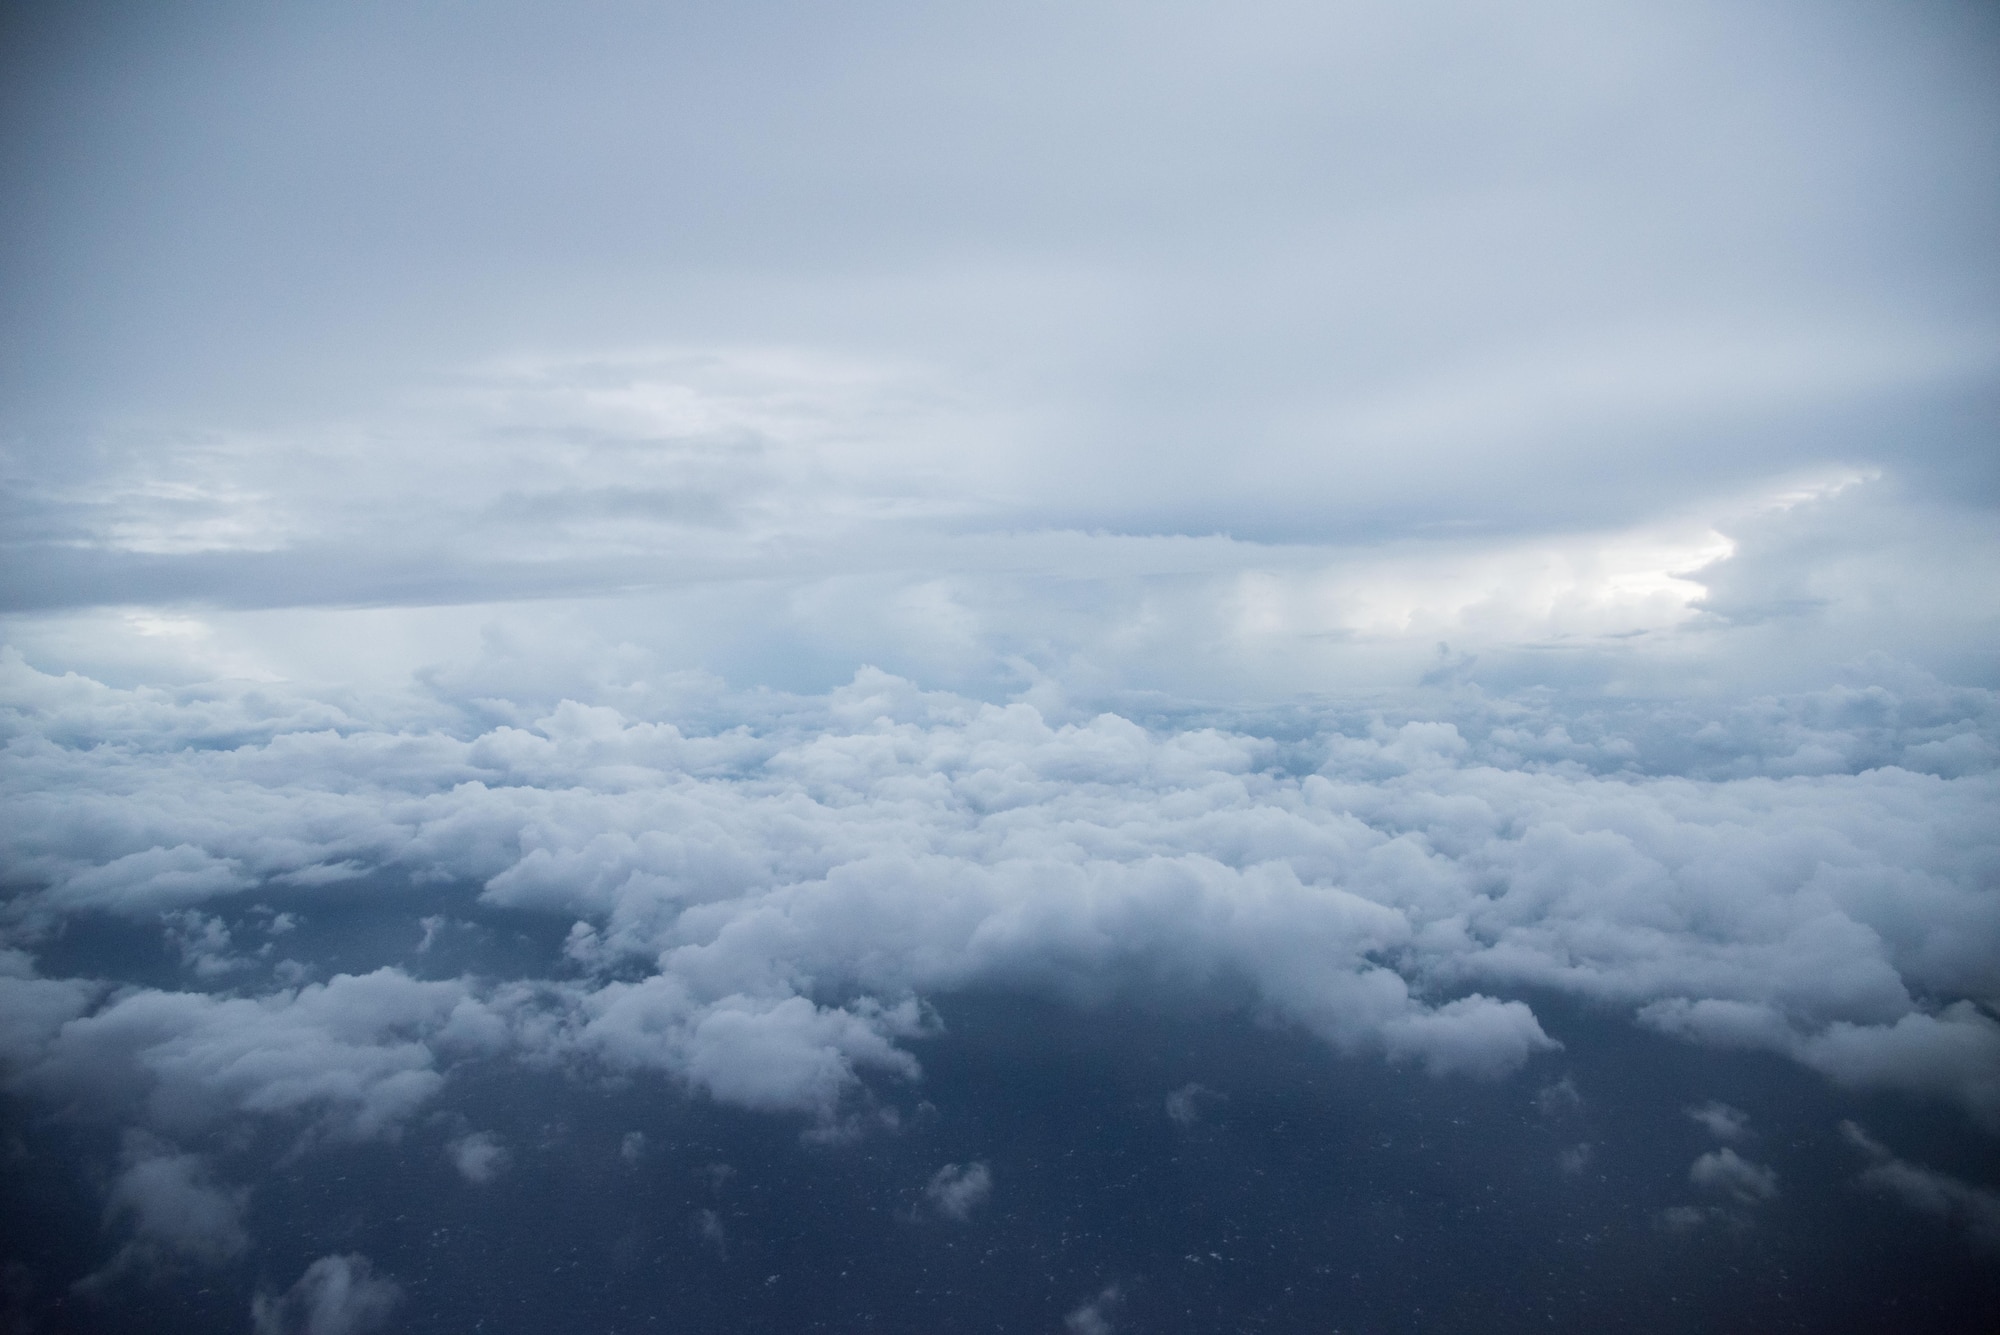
(911, 335)
(670, 547)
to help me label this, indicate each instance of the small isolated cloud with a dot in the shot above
(708, 1228)
(1094, 1317)
(1575, 1159)
(1185, 1105)
(204, 944)
(1686, 1218)
(1721, 1121)
(955, 1192)
(479, 1157)
(1558, 1099)
(633, 1147)
(337, 1295)
(844, 1128)
(1727, 1172)
(432, 925)
(1974, 1209)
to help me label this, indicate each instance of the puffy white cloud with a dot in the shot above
(356, 1054)
(337, 1295)
(1728, 1173)
(758, 1052)
(955, 1191)
(1720, 1120)
(1474, 1035)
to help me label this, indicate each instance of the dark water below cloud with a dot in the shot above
(1296, 1190)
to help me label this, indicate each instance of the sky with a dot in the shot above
(1073, 667)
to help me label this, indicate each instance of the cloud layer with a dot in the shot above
(761, 911)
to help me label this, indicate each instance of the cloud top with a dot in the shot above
(760, 911)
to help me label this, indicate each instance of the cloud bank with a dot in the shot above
(762, 911)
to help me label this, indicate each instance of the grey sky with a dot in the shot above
(395, 305)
